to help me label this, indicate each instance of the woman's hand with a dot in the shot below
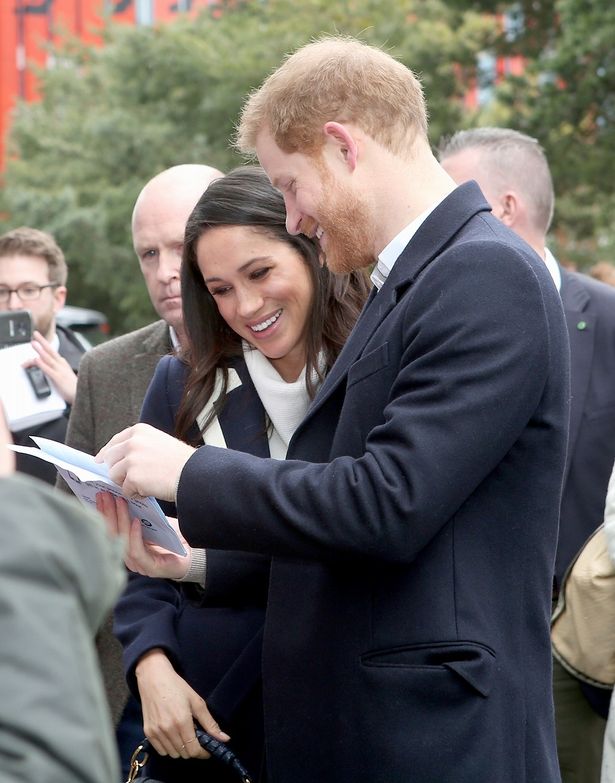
(141, 556)
(170, 709)
(55, 367)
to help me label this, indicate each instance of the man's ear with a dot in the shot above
(508, 209)
(345, 142)
(59, 297)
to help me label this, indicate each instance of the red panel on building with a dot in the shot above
(26, 26)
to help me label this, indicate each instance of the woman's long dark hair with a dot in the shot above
(245, 197)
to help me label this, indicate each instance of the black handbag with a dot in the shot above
(218, 750)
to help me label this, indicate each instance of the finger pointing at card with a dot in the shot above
(145, 461)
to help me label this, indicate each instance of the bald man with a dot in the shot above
(513, 173)
(114, 376)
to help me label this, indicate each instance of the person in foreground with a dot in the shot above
(59, 575)
(264, 320)
(512, 170)
(413, 524)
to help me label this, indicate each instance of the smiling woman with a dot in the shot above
(262, 269)
(262, 289)
(265, 320)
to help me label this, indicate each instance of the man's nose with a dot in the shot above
(169, 266)
(14, 302)
(293, 218)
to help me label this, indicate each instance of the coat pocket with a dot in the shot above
(368, 364)
(474, 663)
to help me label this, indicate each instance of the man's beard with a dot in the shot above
(346, 222)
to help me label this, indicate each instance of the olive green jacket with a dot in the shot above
(59, 575)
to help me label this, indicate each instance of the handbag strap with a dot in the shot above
(215, 748)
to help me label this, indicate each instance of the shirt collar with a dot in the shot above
(390, 254)
(553, 268)
(174, 339)
(55, 342)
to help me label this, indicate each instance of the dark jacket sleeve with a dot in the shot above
(430, 409)
(146, 615)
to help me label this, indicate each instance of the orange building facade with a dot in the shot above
(28, 26)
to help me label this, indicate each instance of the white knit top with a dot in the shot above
(285, 402)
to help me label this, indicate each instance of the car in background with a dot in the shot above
(90, 326)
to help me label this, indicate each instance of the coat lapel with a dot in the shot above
(581, 333)
(155, 345)
(242, 418)
(430, 239)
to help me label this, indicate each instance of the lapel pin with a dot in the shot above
(582, 325)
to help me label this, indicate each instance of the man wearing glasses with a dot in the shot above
(33, 277)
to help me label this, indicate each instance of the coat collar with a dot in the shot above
(434, 234)
(158, 341)
(242, 417)
(574, 295)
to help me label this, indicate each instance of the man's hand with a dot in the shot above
(170, 708)
(145, 461)
(55, 367)
(7, 457)
(141, 556)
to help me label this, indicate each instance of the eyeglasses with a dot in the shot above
(27, 292)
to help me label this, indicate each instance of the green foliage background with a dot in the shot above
(111, 117)
(566, 99)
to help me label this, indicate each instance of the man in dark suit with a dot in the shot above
(114, 376)
(413, 524)
(513, 173)
(33, 276)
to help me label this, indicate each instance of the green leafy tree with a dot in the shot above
(572, 109)
(566, 99)
(110, 117)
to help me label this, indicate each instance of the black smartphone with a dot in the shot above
(15, 327)
(38, 381)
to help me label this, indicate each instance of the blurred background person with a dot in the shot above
(513, 173)
(113, 377)
(265, 320)
(608, 753)
(59, 575)
(33, 275)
